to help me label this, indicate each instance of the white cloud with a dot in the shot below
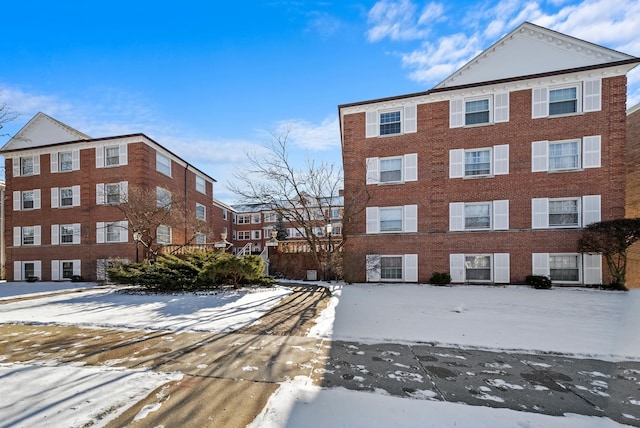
(399, 20)
(312, 136)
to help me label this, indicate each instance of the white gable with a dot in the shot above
(43, 130)
(530, 49)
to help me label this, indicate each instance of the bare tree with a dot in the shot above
(6, 115)
(612, 238)
(147, 209)
(306, 197)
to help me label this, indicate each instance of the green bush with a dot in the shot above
(440, 278)
(538, 282)
(191, 272)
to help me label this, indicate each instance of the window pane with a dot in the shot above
(564, 155)
(163, 164)
(563, 101)
(113, 233)
(390, 170)
(66, 197)
(391, 267)
(28, 236)
(563, 213)
(477, 268)
(476, 112)
(66, 234)
(391, 219)
(113, 193)
(390, 123)
(564, 268)
(26, 166)
(477, 216)
(27, 200)
(477, 163)
(66, 161)
(163, 235)
(67, 269)
(112, 156)
(201, 185)
(29, 269)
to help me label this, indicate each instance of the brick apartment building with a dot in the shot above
(493, 173)
(63, 188)
(633, 190)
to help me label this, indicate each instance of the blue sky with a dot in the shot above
(213, 80)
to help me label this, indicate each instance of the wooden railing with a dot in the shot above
(181, 249)
(304, 247)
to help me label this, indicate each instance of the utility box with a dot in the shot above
(312, 275)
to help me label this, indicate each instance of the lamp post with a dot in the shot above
(136, 238)
(223, 244)
(329, 229)
(273, 242)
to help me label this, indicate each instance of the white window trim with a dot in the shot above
(590, 154)
(101, 231)
(498, 110)
(408, 121)
(56, 269)
(18, 267)
(17, 200)
(56, 234)
(409, 268)
(75, 161)
(163, 242)
(489, 98)
(204, 184)
(499, 162)
(101, 155)
(500, 268)
(204, 212)
(589, 94)
(161, 167)
(408, 169)
(409, 215)
(498, 213)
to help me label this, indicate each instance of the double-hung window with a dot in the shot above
(392, 268)
(201, 238)
(66, 196)
(390, 123)
(243, 219)
(163, 164)
(244, 235)
(163, 198)
(566, 155)
(390, 170)
(394, 169)
(564, 268)
(163, 235)
(201, 184)
(480, 268)
(201, 212)
(28, 235)
(477, 162)
(477, 268)
(477, 112)
(66, 233)
(28, 200)
(391, 219)
(112, 155)
(26, 166)
(477, 216)
(112, 193)
(563, 101)
(113, 232)
(65, 160)
(564, 212)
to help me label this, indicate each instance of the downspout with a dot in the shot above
(186, 169)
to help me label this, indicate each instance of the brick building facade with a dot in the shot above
(633, 190)
(63, 190)
(492, 174)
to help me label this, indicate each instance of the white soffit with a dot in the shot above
(43, 130)
(530, 49)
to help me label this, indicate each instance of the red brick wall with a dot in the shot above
(434, 190)
(633, 193)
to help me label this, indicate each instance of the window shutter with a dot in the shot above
(17, 236)
(372, 124)
(501, 215)
(456, 113)
(501, 107)
(410, 220)
(590, 209)
(100, 157)
(410, 119)
(76, 195)
(100, 197)
(76, 233)
(373, 170)
(54, 162)
(36, 199)
(100, 232)
(539, 213)
(55, 199)
(456, 267)
(124, 191)
(540, 262)
(17, 271)
(16, 167)
(17, 201)
(456, 216)
(373, 267)
(501, 273)
(410, 164)
(539, 156)
(37, 268)
(124, 231)
(501, 159)
(75, 160)
(592, 268)
(55, 270)
(591, 151)
(36, 165)
(37, 235)
(540, 103)
(55, 234)
(456, 163)
(592, 99)
(122, 150)
(373, 223)
(76, 267)
(410, 268)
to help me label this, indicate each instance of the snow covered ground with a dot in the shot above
(575, 321)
